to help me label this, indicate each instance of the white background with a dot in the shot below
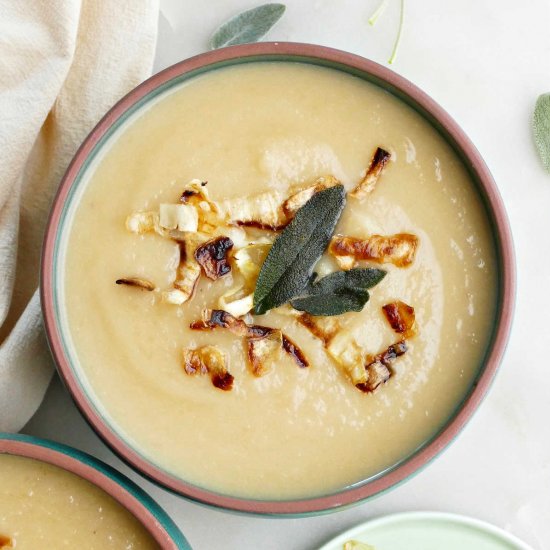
(485, 62)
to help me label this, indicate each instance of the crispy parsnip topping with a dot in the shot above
(263, 210)
(399, 249)
(5, 542)
(298, 199)
(263, 351)
(375, 169)
(216, 318)
(182, 217)
(401, 318)
(249, 260)
(236, 302)
(324, 328)
(195, 194)
(136, 282)
(271, 210)
(295, 352)
(208, 359)
(212, 257)
(378, 367)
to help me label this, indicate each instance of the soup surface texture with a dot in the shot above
(43, 506)
(293, 432)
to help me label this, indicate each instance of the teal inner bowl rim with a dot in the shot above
(134, 491)
(411, 102)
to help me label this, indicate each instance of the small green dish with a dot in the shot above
(428, 531)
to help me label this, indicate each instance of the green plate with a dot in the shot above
(428, 531)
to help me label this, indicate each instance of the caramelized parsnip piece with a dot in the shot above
(324, 328)
(399, 249)
(263, 351)
(272, 210)
(378, 367)
(5, 542)
(298, 199)
(136, 282)
(212, 257)
(401, 318)
(216, 318)
(375, 169)
(208, 359)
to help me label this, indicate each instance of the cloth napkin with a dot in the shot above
(63, 63)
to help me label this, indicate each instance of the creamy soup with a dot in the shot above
(43, 506)
(292, 432)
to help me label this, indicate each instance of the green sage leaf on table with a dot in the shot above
(339, 292)
(287, 268)
(541, 128)
(249, 26)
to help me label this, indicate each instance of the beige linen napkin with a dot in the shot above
(63, 63)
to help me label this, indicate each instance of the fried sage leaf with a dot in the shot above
(288, 266)
(339, 292)
(541, 128)
(248, 26)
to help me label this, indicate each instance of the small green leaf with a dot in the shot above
(541, 128)
(339, 292)
(249, 26)
(332, 304)
(288, 266)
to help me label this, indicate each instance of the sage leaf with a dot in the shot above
(332, 304)
(248, 26)
(339, 292)
(288, 266)
(541, 128)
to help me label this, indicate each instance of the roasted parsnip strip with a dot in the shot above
(401, 318)
(271, 210)
(263, 351)
(378, 367)
(195, 193)
(143, 284)
(375, 169)
(5, 542)
(295, 352)
(182, 217)
(236, 302)
(298, 199)
(216, 318)
(208, 359)
(263, 210)
(324, 328)
(398, 249)
(212, 257)
(188, 271)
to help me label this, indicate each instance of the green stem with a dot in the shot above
(399, 33)
(379, 10)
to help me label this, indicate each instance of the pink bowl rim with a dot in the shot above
(487, 188)
(101, 475)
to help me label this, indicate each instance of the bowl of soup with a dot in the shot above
(54, 496)
(277, 278)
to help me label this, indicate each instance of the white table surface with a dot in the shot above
(485, 62)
